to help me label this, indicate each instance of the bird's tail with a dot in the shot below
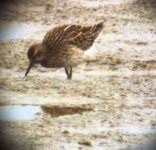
(97, 27)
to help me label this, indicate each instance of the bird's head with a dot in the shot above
(35, 55)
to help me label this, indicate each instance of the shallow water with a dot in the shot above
(21, 30)
(18, 112)
(12, 32)
(28, 112)
(120, 86)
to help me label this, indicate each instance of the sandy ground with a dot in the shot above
(111, 101)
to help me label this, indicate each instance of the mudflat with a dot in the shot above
(109, 104)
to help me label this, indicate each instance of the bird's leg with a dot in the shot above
(70, 74)
(67, 73)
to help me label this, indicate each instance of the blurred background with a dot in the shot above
(111, 101)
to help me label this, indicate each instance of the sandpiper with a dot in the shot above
(63, 46)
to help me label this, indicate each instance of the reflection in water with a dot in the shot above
(62, 110)
(18, 112)
(28, 112)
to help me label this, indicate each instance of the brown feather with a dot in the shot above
(76, 35)
(64, 46)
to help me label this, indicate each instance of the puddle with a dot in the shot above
(15, 113)
(20, 30)
(62, 110)
(28, 112)
(12, 32)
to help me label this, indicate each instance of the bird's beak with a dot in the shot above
(29, 67)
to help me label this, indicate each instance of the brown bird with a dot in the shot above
(63, 46)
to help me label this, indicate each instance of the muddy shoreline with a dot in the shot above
(110, 103)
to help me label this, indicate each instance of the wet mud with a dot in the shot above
(110, 103)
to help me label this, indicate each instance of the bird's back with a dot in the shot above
(71, 35)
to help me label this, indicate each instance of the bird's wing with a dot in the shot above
(75, 35)
(53, 40)
(83, 36)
